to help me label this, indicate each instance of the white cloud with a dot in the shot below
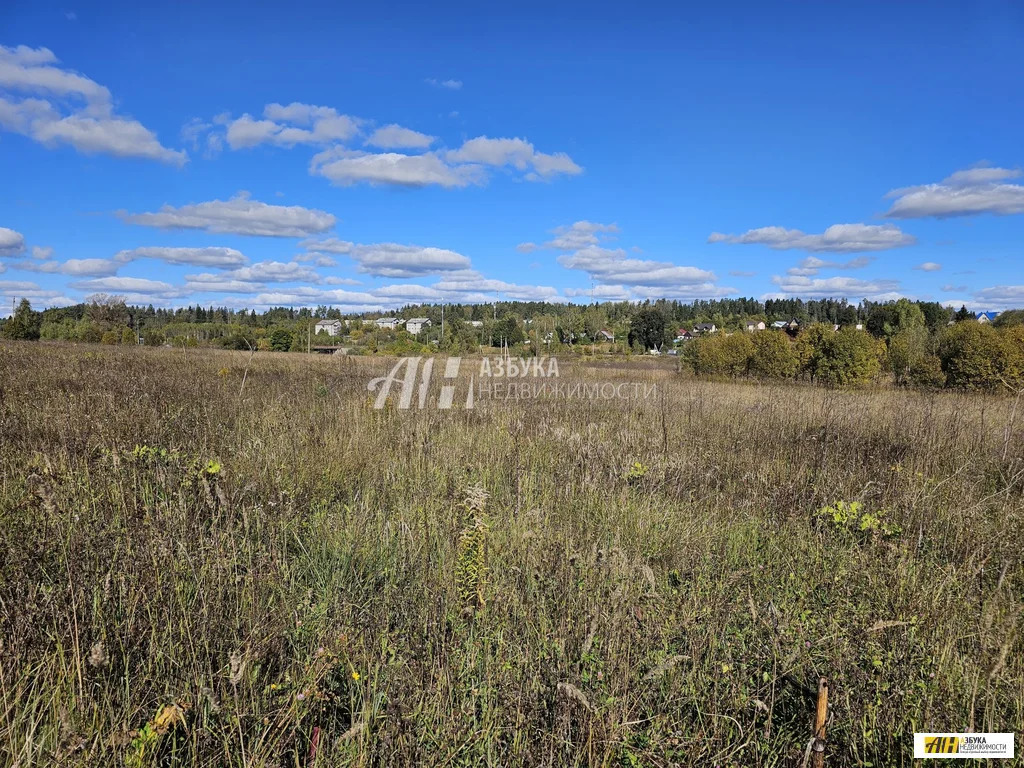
(324, 127)
(332, 280)
(41, 253)
(63, 107)
(239, 216)
(134, 285)
(75, 267)
(328, 245)
(812, 265)
(616, 268)
(289, 125)
(196, 257)
(580, 235)
(397, 137)
(517, 153)
(964, 193)
(450, 84)
(11, 243)
(275, 272)
(929, 266)
(345, 167)
(394, 260)
(601, 293)
(527, 247)
(210, 283)
(469, 286)
(23, 289)
(836, 287)
(839, 238)
(999, 297)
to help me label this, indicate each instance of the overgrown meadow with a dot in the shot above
(211, 560)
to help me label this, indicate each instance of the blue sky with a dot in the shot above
(365, 157)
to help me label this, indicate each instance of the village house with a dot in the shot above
(754, 325)
(705, 328)
(683, 335)
(605, 335)
(416, 324)
(332, 327)
(985, 317)
(388, 323)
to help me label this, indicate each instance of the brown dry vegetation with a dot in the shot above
(325, 574)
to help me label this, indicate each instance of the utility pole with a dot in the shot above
(441, 344)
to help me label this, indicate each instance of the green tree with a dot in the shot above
(839, 358)
(907, 348)
(648, 329)
(24, 324)
(153, 339)
(1009, 318)
(737, 350)
(280, 340)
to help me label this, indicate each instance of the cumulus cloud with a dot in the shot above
(394, 260)
(11, 243)
(929, 266)
(397, 137)
(24, 289)
(214, 283)
(580, 235)
(327, 245)
(839, 238)
(470, 286)
(614, 267)
(240, 216)
(584, 247)
(53, 105)
(196, 257)
(415, 166)
(345, 167)
(74, 267)
(999, 297)
(836, 287)
(450, 84)
(41, 253)
(812, 265)
(140, 286)
(325, 126)
(275, 272)
(527, 247)
(516, 153)
(965, 193)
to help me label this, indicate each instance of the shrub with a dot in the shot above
(773, 356)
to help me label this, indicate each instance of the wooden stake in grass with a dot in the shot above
(820, 717)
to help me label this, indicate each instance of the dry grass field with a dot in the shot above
(197, 572)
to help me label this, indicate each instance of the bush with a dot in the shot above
(975, 356)
(773, 356)
(839, 358)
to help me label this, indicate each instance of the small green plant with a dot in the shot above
(143, 747)
(853, 517)
(636, 473)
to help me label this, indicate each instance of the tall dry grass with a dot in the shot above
(302, 577)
